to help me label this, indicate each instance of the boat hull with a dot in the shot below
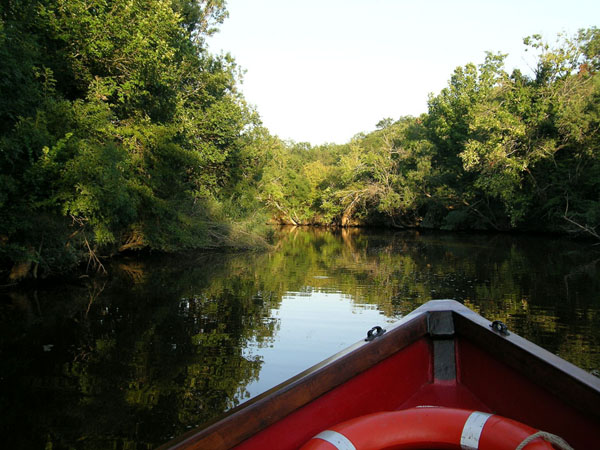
(442, 354)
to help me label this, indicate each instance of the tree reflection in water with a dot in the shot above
(165, 344)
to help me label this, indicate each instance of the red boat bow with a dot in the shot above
(442, 354)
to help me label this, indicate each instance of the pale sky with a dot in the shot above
(322, 71)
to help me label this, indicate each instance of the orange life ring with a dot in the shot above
(427, 428)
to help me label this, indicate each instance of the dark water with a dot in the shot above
(130, 360)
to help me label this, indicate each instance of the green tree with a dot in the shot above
(450, 127)
(133, 135)
(533, 140)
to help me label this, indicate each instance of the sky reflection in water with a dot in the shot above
(311, 327)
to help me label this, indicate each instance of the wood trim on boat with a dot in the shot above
(443, 323)
(270, 407)
(569, 383)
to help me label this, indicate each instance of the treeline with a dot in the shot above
(496, 151)
(119, 130)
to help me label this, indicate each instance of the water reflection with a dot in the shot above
(162, 345)
(313, 325)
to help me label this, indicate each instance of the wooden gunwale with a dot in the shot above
(567, 382)
(570, 384)
(275, 404)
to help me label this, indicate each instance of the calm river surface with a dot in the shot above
(159, 346)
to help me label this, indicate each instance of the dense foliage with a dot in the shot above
(495, 151)
(118, 130)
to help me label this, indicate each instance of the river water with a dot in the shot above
(161, 345)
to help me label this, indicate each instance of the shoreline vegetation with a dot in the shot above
(119, 132)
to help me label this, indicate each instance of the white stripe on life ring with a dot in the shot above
(469, 439)
(336, 439)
